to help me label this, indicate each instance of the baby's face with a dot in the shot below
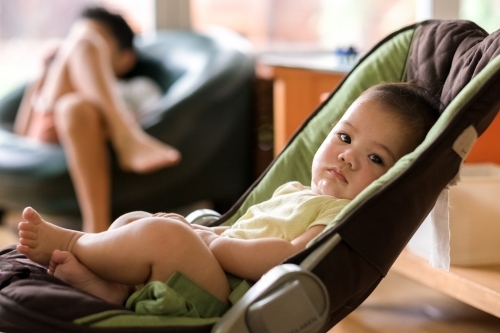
(362, 146)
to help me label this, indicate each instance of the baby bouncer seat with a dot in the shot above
(318, 287)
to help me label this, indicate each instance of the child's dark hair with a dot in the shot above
(412, 103)
(115, 23)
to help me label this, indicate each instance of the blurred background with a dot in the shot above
(27, 27)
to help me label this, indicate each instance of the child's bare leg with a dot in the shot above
(81, 131)
(137, 151)
(64, 266)
(38, 238)
(83, 65)
(25, 110)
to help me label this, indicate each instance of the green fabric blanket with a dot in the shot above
(181, 297)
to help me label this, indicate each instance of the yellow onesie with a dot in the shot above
(291, 210)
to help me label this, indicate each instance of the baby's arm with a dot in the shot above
(250, 259)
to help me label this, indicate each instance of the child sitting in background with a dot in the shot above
(386, 122)
(76, 103)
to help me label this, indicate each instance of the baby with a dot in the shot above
(386, 122)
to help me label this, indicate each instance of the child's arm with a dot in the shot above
(24, 113)
(250, 259)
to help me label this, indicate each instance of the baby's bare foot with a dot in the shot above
(143, 153)
(38, 238)
(65, 266)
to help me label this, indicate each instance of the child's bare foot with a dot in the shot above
(142, 153)
(65, 266)
(38, 238)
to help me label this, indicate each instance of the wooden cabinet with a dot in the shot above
(299, 83)
(297, 93)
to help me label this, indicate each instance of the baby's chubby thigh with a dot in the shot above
(137, 215)
(150, 248)
(180, 248)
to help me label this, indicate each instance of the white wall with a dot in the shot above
(172, 14)
(437, 9)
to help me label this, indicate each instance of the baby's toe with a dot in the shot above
(31, 215)
(27, 226)
(28, 234)
(28, 242)
(23, 249)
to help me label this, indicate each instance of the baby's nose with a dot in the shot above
(348, 158)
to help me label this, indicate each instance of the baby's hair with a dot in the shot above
(115, 23)
(411, 103)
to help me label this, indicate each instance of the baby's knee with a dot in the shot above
(129, 218)
(162, 231)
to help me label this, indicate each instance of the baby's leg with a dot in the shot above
(128, 218)
(64, 266)
(137, 215)
(38, 238)
(151, 249)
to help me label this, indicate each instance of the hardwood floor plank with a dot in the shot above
(477, 286)
(403, 305)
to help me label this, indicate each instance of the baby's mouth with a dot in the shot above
(338, 174)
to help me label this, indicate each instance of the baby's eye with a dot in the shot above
(345, 138)
(376, 159)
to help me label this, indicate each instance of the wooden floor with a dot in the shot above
(402, 305)
(397, 305)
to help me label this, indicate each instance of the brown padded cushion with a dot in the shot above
(448, 54)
